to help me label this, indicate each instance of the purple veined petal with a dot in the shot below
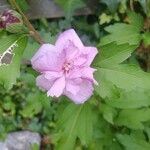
(72, 87)
(47, 58)
(71, 51)
(85, 92)
(44, 83)
(68, 35)
(57, 88)
(80, 61)
(91, 52)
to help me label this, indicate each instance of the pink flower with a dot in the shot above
(65, 67)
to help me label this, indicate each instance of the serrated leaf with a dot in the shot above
(127, 77)
(134, 99)
(133, 143)
(122, 33)
(108, 112)
(112, 53)
(105, 88)
(9, 73)
(133, 118)
(136, 20)
(76, 121)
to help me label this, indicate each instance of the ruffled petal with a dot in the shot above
(84, 93)
(71, 36)
(44, 83)
(71, 51)
(57, 88)
(48, 58)
(85, 73)
(51, 75)
(91, 52)
(72, 87)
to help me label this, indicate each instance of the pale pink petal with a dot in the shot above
(72, 87)
(68, 35)
(71, 51)
(86, 90)
(84, 72)
(87, 73)
(52, 75)
(47, 58)
(80, 60)
(57, 88)
(44, 83)
(91, 52)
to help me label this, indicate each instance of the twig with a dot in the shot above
(32, 31)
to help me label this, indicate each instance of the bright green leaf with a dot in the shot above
(133, 118)
(134, 99)
(127, 77)
(108, 112)
(76, 121)
(112, 53)
(133, 143)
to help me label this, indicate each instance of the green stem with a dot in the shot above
(32, 30)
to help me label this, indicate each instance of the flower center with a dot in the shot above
(67, 66)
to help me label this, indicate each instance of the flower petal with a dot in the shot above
(68, 35)
(47, 58)
(44, 83)
(72, 87)
(57, 88)
(86, 90)
(85, 73)
(91, 52)
(51, 75)
(71, 51)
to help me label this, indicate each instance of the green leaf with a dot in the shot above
(133, 118)
(127, 77)
(133, 143)
(108, 112)
(111, 4)
(76, 121)
(134, 99)
(69, 6)
(122, 33)
(9, 72)
(106, 88)
(135, 20)
(35, 104)
(112, 53)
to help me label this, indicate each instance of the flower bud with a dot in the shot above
(11, 21)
